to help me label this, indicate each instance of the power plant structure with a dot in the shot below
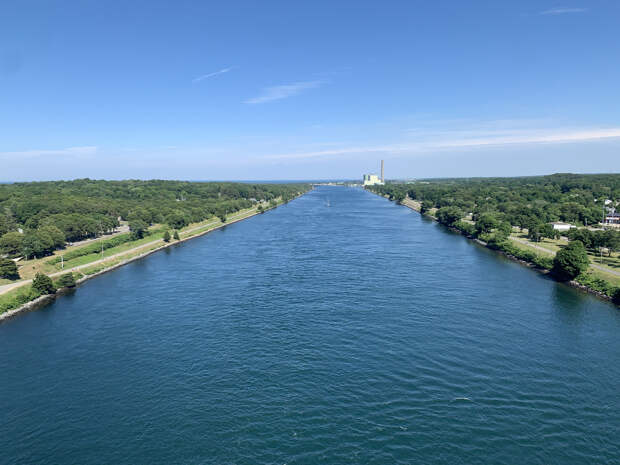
(372, 179)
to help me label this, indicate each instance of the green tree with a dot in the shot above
(11, 243)
(570, 261)
(534, 233)
(37, 243)
(426, 206)
(8, 269)
(138, 228)
(176, 235)
(449, 215)
(399, 196)
(43, 284)
(222, 217)
(177, 219)
(56, 235)
(615, 296)
(504, 228)
(66, 280)
(485, 223)
(166, 236)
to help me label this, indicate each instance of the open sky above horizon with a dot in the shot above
(313, 90)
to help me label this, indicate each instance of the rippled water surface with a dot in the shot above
(357, 332)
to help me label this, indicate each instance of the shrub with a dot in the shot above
(467, 228)
(615, 296)
(43, 284)
(166, 236)
(571, 261)
(8, 269)
(66, 280)
(176, 236)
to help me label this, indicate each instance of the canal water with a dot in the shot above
(340, 328)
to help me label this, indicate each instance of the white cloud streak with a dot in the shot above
(269, 94)
(207, 76)
(563, 11)
(69, 151)
(459, 140)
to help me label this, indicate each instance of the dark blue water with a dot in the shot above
(355, 333)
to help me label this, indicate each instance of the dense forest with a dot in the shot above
(37, 218)
(490, 207)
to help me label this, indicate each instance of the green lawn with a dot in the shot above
(553, 245)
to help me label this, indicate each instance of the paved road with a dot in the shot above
(8, 287)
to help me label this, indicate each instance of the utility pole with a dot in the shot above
(101, 228)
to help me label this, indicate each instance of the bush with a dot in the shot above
(597, 284)
(176, 236)
(615, 296)
(43, 284)
(8, 269)
(571, 261)
(66, 280)
(466, 228)
(166, 236)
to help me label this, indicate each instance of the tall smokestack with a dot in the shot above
(382, 178)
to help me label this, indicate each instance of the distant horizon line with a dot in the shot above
(281, 181)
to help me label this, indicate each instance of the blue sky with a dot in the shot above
(307, 90)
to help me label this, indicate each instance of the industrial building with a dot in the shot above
(373, 179)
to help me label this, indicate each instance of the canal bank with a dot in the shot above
(91, 270)
(413, 205)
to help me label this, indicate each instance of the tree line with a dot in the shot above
(39, 217)
(489, 209)
(529, 203)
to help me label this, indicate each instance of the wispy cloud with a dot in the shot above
(269, 94)
(207, 76)
(72, 151)
(465, 139)
(563, 11)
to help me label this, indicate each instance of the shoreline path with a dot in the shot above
(8, 287)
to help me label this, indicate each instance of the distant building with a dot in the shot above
(612, 218)
(559, 226)
(371, 180)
